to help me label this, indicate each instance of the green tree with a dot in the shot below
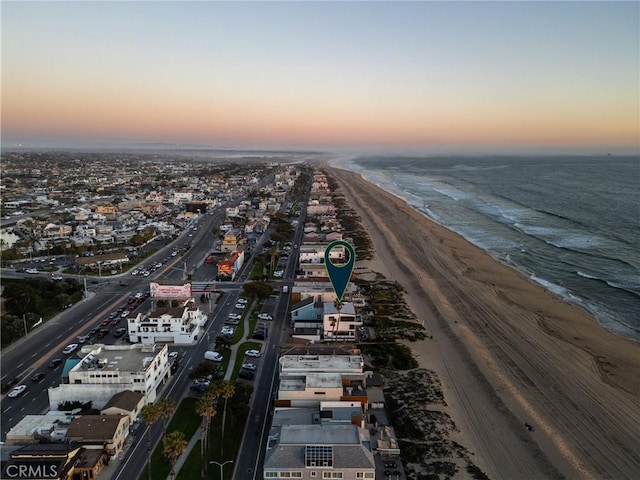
(61, 300)
(166, 409)
(258, 289)
(224, 389)
(150, 415)
(174, 444)
(206, 408)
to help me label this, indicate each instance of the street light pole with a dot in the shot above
(221, 465)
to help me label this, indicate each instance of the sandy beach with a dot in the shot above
(508, 352)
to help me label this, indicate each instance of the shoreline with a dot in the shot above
(620, 329)
(507, 350)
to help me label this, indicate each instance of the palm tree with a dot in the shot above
(150, 415)
(225, 389)
(166, 409)
(206, 408)
(174, 445)
(336, 324)
(273, 252)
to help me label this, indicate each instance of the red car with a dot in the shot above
(105, 323)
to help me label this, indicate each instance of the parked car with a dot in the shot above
(69, 349)
(242, 300)
(119, 332)
(32, 270)
(174, 354)
(56, 277)
(17, 390)
(234, 316)
(38, 377)
(246, 374)
(249, 366)
(83, 338)
(227, 330)
(265, 316)
(240, 306)
(198, 387)
(55, 362)
(252, 353)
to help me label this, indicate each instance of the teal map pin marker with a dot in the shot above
(340, 274)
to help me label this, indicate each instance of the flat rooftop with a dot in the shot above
(322, 363)
(128, 358)
(319, 435)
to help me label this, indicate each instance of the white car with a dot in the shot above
(173, 354)
(265, 316)
(242, 300)
(240, 306)
(17, 390)
(234, 316)
(56, 277)
(249, 366)
(227, 331)
(252, 353)
(69, 349)
(32, 270)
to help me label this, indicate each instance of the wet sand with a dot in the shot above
(508, 352)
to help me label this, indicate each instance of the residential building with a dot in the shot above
(124, 403)
(107, 431)
(64, 461)
(340, 324)
(319, 452)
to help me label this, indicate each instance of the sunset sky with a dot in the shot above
(467, 76)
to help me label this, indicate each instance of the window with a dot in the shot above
(318, 455)
(365, 475)
(271, 474)
(296, 474)
(331, 475)
(313, 474)
(284, 474)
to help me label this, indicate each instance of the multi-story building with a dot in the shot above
(320, 452)
(340, 324)
(179, 325)
(104, 370)
(308, 380)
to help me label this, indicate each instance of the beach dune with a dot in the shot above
(508, 352)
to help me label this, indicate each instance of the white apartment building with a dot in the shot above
(177, 325)
(104, 370)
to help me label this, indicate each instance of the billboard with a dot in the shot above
(170, 292)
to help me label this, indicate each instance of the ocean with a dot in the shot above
(571, 223)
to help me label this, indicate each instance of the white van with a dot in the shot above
(285, 289)
(213, 356)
